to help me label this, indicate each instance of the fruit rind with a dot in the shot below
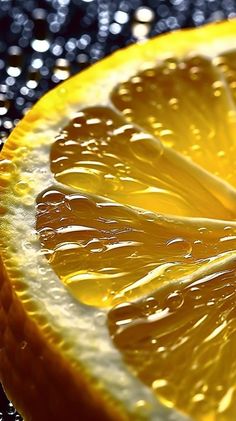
(22, 294)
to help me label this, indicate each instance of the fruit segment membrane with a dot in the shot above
(141, 221)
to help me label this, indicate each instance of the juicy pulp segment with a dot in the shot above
(180, 341)
(108, 253)
(98, 152)
(188, 105)
(159, 273)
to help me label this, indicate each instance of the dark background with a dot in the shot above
(43, 42)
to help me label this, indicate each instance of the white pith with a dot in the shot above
(87, 339)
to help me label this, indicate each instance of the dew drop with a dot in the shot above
(174, 103)
(145, 148)
(7, 168)
(124, 313)
(167, 137)
(179, 247)
(143, 407)
(174, 301)
(47, 233)
(150, 305)
(217, 87)
(159, 383)
(199, 397)
(21, 188)
(100, 319)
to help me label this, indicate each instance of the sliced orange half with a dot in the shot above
(118, 238)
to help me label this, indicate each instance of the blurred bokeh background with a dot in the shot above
(43, 42)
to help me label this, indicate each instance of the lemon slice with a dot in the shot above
(118, 238)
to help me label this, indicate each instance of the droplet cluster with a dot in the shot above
(44, 42)
(161, 274)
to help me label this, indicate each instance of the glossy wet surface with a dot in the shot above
(107, 253)
(181, 340)
(119, 234)
(36, 55)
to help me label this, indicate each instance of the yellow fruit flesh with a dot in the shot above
(107, 253)
(181, 342)
(177, 337)
(188, 108)
(99, 152)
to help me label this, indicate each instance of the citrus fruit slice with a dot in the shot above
(118, 238)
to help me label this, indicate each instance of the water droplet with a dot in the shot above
(174, 301)
(203, 230)
(142, 406)
(145, 148)
(167, 137)
(54, 197)
(194, 72)
(150, 305)
(7, 168)
(100, 319)
(179, 247)
(21, 188)
(217, 88)
(174, 103)
(159, 383)
(199, 397)
(47, 233)
(195, 147)
(124, 313)
(228, 238)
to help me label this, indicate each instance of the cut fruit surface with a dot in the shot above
(118, 238)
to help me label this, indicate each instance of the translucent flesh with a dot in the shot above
(99, 152)
(107, 253)
(181, 342)
(141, 226)
(189, 108)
